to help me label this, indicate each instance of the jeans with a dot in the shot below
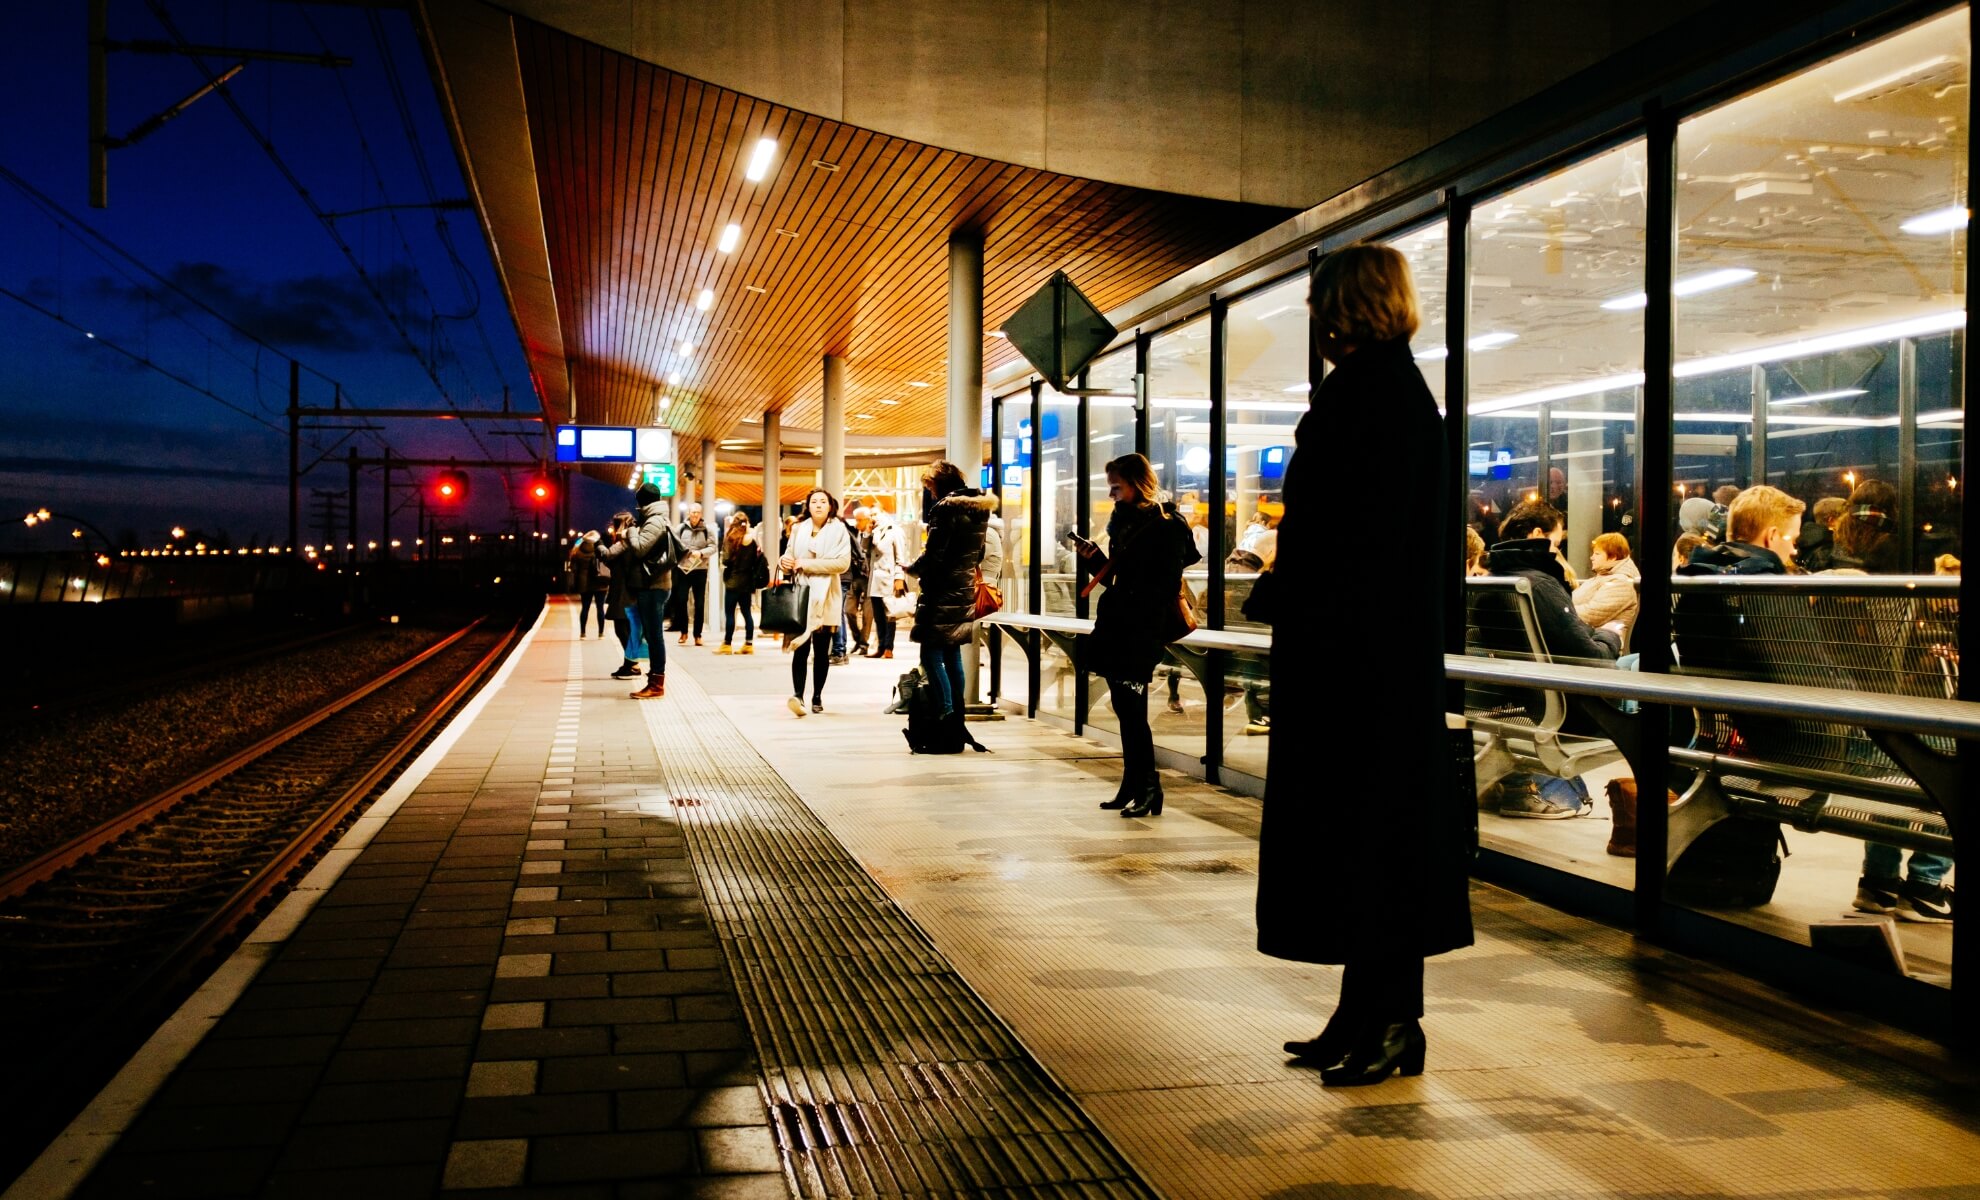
(884, 623)
(690, 592)
(1130, 700)
(943, 665)
(1883, 862)
(817, 646)
(652, 604)
(589, 601)
(733, 599)
(839, 634)
(622, 628)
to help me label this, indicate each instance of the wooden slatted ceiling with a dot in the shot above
(640, 168)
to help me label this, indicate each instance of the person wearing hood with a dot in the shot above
(1608, 595)
(957, 516)
(1363, 857)
(1532, 534)
(1702, 518)
(1149, 546)
(883, 567)
(646, 553)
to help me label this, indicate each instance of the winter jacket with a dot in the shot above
(1148, 548)
(743, 568)
(1712, 636)
(640, 541)
(1610, 595)
(1567, 636)
(585, 575)
(822, 556)
(885, 551)
(947, 566)
(1364, 854)
(698, 546)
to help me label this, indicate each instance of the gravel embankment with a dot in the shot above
(61, 779)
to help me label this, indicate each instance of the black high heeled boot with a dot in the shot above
(1329, 1048)
(1125, 795)
(1382, 1050)
(1147, 800)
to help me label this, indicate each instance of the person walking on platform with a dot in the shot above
(743, 572)
(647, 556)
(590, 579)
(883, 568)
(619, 599)
(945, 614)
(1149, 546)
(818, 552)
(1363, 856)
(697, 542)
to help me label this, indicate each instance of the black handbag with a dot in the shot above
(784, 607)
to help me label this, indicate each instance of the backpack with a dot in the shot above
(927, 732)
(1733, 864)
(660, 556)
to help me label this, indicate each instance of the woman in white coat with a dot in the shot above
(817, 554)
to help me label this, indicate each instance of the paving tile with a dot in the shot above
(204, 1174)
(523, 1015)
(431, 979)
(679, 1036)
(365, 1144)
(543, 1043)
(670, 983)
(283, 1022)
(510, 1078)
(532, 1115)
(728, 1106)
(257, 1085)
(519, 966)
(611, 1073)
(430, 1031)
(737, 1150)
(550, 987)
(423, 1062)
(576, 1157)
(708, 1187)
(410, 1181)
(610, 1012)
(488, 1163)
(225, 1053)
(383, 1100)
(421, 1005)
(169, 1128)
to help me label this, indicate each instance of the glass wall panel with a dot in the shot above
(1265, 362)
(1014, 511)
(1179, 445)
(1428, 250)
(1554, 377)
(1058, 500)
(1110, 421)
(1820, 311)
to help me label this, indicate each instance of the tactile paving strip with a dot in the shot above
(888, 1076)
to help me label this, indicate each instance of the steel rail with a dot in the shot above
(52, 863)
(242, 904)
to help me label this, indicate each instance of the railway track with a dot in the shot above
(99, 937)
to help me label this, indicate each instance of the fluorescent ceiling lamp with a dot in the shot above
(704, 300)
(1433, 354)
(1707, 282)
(686, 350)
(996, 333)
(1943, 221)
(731, 235)
(673, 379)
(1283, 308)
(1940, 322)
(759, 159)
(918, 384)
(1300, 387)
(1883, 81)
(1491, 341)
(1813, 397)
(890, 402)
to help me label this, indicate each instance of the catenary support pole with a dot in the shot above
(712, 595)
(295, 456)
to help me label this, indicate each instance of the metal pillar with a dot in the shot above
(295, 455)
(773, 453)
(350, 517)
(1908, 452)
(965, 423)
(712, 595)
(385, 506)
(832, 448)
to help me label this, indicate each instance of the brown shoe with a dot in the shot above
(682, 641)
(886, 654)
(748, 648)
(656, 686)
(697, 641)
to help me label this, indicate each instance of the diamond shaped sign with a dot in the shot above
(1059, 331)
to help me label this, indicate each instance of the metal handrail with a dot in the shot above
(1870, 710)
(1868, 585)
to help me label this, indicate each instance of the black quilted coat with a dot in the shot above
(947, 567)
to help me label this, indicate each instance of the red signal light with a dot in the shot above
(540, 490)
(450, 486)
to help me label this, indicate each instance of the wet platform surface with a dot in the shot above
(697, 946)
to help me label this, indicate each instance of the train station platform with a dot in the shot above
(590, 947)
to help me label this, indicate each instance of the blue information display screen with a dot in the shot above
(595, 443)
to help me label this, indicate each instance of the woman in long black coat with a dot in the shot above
(1363, 854)
(1149, 545)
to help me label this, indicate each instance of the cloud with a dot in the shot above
(310, 312)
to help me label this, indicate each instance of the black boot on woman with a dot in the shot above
(1147, 800)
(1125, 796)
(1380, 1051)
(1330, 1046)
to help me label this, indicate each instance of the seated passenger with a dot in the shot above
(1607, 598)
(1681, 551)
(1761, 530)
(1474, 553)
(1531, 534)
(1816, 546)
(1866, 541)
(1702, 519)
(1945, 564)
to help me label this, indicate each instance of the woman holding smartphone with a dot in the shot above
(1148, 547)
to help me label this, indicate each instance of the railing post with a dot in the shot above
(1966, 996)
(1457, 425)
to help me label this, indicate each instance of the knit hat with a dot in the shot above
(649, 493)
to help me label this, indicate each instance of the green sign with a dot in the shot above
(660, 475)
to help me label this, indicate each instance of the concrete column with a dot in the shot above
(965, 419)
(713, 594)
(832, 447)
(773, 453)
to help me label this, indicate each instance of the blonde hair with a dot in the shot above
(1363, 294)
(1474, 547)
(1759, 509)
(1615, 545)
(1138, 473)
(1945, 564)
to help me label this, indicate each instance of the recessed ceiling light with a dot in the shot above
(1690, 286)
(998, 333)
(1945, 220)
(918, 384)
(705, 299)
(686, 350)
(785, 232)
(863, 416)
(750, 287)
(821, 165)
(890, 402)
(674, 379)
(731, 235)
(759, 159)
